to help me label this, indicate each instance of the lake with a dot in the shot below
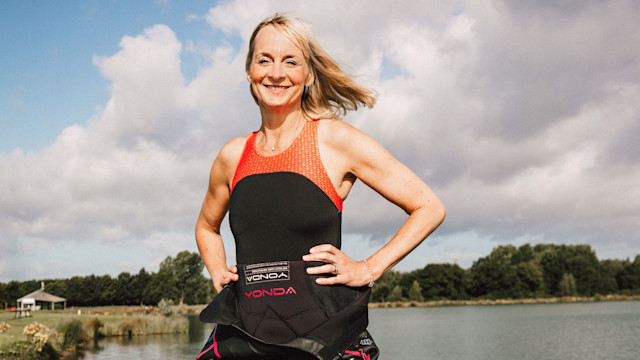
(604, 330)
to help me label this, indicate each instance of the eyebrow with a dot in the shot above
(289, 56)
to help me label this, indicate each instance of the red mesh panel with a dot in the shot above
(302, 157)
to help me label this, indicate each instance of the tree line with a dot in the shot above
(508, 272)
(178, 278)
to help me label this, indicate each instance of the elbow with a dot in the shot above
(442, 212)
(438, 212)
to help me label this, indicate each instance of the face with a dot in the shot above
(278, 71)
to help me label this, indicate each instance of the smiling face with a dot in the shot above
(278, 71)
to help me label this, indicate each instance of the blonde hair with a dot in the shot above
(332, 93)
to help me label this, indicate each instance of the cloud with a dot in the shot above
(522, 116)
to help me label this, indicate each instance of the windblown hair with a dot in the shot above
(333, 92)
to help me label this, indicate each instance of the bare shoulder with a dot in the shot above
(232, 150)
(339, 134)
(228, 158)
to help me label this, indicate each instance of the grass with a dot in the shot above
(116, 320)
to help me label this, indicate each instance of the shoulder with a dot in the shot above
(337, 133)
(344, 137)
(229, 156)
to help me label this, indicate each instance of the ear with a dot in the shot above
(310, 79)
(248, 77)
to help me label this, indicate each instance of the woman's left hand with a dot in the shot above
(349, 272)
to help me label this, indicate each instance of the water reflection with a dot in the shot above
(175, 346)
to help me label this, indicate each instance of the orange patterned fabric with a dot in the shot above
(302, 157)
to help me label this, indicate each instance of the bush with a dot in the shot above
(95, 325)
(4, 327)
(165, 307)
(37, 346)
(73, 334)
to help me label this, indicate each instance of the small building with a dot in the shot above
(38, 298)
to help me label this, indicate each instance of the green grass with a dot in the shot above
(117, 320)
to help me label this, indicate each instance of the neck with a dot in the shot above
(278, 129)
(277, 123)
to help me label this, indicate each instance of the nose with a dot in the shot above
(277, 71)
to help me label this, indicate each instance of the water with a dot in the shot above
(607, 330)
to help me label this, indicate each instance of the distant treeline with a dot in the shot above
(509, 272)
(179, 278)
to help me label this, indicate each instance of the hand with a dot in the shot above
(227, 276)
(350, 272)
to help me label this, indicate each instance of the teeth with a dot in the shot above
(276, 87)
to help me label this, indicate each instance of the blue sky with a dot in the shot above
(49, 81)
(522, 117)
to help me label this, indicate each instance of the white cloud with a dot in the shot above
(522, 117)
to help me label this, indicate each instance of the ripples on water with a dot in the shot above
(607, 330)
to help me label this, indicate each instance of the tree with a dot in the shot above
(141, 284)
(629, 277)
(531, 279)
(124, 290)
(396, 294)
(567, 286)
(494, 276)
(608, 271)
(187, 270)
(379, 293)
(442, 281)
(553, 268)
(415, 292)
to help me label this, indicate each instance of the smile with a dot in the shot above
(276, 88)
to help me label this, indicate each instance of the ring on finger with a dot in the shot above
(335, 269)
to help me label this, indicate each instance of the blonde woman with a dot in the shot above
(294, 294)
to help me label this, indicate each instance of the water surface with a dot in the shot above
(606, 330)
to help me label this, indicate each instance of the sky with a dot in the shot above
(522, 116)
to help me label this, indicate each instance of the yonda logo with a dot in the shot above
(270, 292)
(266, 272)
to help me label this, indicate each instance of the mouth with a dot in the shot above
(276, 88)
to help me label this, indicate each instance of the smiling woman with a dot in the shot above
(294, 294)
(278, 73)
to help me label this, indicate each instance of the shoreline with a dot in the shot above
(487, 302)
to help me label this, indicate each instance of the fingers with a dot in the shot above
(322, 269)
(324, 248)
(325, 252)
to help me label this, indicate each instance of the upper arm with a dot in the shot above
(216, 200)
(376, 167)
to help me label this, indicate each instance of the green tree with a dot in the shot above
(629, 277)
(379, 293)
(141, 284)
(608, 271)
(442, 281)
(567, 285)
(530, 279)
(395, 294)
(494, 276)
(187, 270)
(415, 292)
(553, 268)
(124, 291)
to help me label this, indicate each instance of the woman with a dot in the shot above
(294, 293)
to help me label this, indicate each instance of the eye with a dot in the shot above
(291, 62)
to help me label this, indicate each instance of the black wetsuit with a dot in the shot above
(280, 207)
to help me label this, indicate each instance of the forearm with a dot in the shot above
(212, 251)
(420, 224)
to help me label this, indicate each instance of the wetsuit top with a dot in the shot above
(282, 205)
